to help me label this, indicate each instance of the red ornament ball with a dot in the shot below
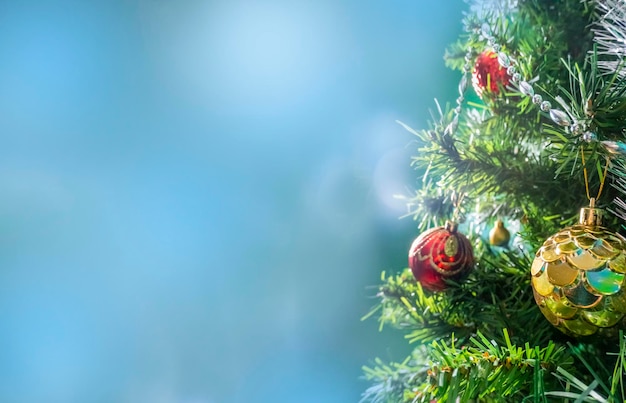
(488, 75)
(438, 254)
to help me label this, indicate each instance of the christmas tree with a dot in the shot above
(516, 285)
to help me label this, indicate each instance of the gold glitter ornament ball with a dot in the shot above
(578, 277)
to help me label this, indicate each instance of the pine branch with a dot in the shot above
(495, 295)
(486, 170)
(405, 305)
(397, 382)
(482, 370)
(487, 371)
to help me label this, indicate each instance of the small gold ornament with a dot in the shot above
(499, 235)
(578, 277)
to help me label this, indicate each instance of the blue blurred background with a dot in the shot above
(196, 195)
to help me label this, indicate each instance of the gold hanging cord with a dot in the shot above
(602, 178)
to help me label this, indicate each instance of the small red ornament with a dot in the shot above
(438, 254)
(488, 75)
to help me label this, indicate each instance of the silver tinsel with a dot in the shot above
(610, 34)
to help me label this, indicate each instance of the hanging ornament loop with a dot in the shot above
(602, 178)
(457, 216)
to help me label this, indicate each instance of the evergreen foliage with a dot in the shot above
(484, 339)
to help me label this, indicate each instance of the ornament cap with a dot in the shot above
(451, 226)
(591, 215)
